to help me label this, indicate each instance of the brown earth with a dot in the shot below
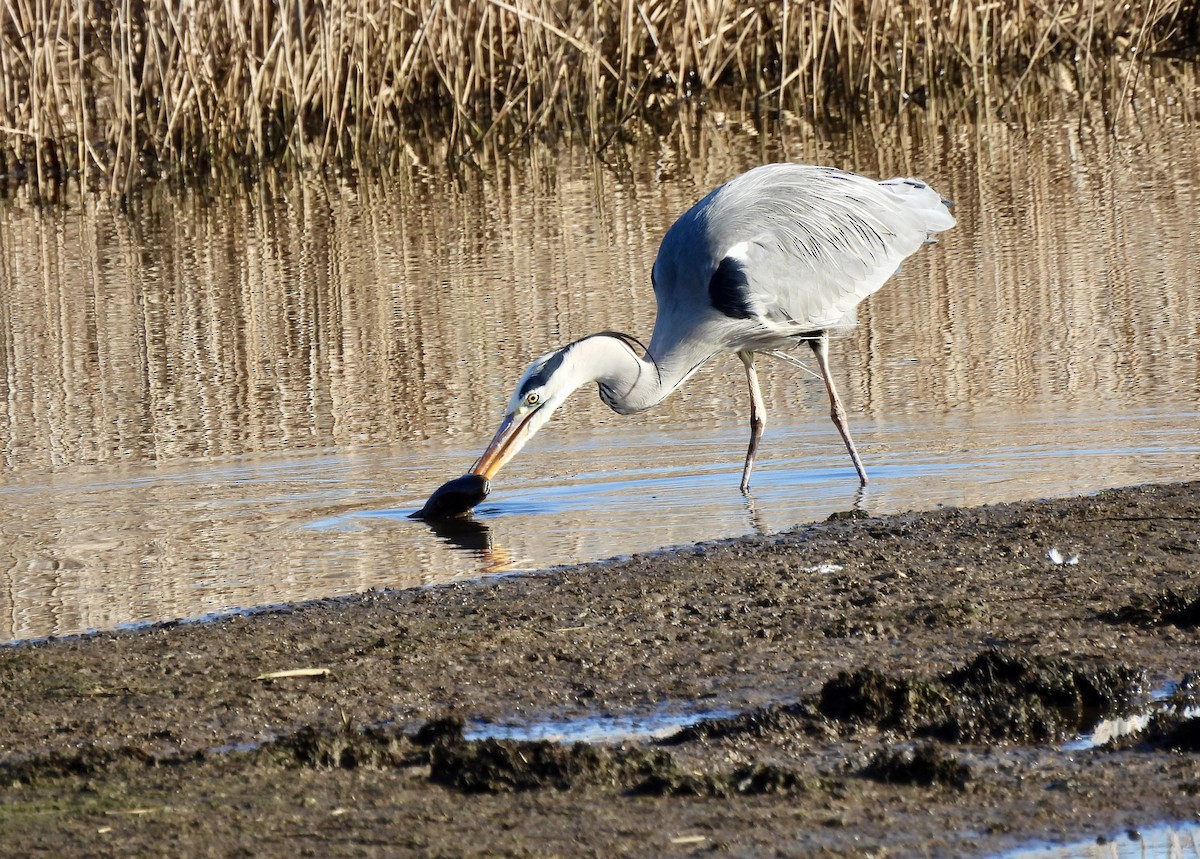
(886, 686)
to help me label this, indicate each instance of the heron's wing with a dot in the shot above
(799, 247)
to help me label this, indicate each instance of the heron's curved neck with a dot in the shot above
(631, 383)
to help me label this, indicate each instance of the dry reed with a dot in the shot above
(117, 91)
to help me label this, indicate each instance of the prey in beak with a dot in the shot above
(538, 394)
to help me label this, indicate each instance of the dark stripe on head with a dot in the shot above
(545, 371)
(729, 290)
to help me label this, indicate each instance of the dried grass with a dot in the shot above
(116, 91)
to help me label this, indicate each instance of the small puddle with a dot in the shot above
(1116, 727)
(599, 729)
(237, 748)
(1163, 841)
(595, 728)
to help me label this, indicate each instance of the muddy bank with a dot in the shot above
(927, 684)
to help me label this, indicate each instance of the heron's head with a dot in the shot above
(544, 385)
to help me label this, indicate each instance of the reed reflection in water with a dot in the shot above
(212, 404)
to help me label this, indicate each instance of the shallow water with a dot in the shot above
(600, 729)
(1160, 841)
(211, 404)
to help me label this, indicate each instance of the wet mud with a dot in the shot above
(899, 686)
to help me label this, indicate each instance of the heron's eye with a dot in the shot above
(533, 398)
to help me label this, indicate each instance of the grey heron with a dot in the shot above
(778, 256)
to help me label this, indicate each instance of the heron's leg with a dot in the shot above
(758, 417)
(820, 347)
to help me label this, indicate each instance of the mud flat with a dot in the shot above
(954, 683)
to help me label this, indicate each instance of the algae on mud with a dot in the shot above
(875, 714)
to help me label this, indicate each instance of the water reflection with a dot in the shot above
(217, 403)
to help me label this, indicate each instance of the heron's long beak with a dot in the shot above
(509, 439)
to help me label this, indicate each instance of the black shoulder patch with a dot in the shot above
(729, 290)
(544, 372)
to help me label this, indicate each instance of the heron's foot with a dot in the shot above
(745, 484)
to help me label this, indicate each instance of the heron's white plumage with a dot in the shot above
(811, 242)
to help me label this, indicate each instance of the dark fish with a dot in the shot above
(455, 497)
